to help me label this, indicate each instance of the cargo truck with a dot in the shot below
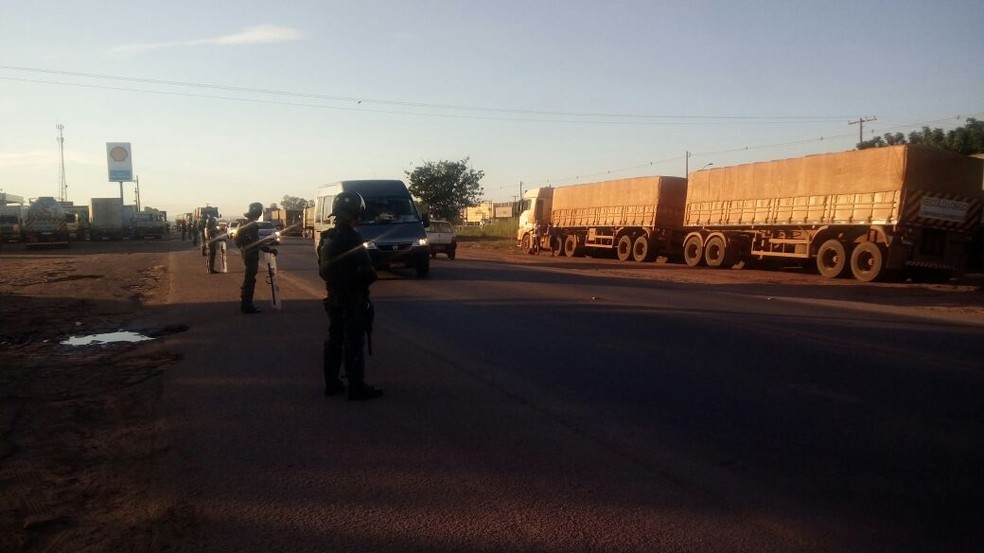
(634, 218)
(287, 221)
(106, 219)
(307, 221)
(78, 220)
(45, 224)
(876, 213)
(11, 220)
(149, 224)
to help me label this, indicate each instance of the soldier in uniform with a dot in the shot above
(344, 264)
(248, 242)
(212, 240)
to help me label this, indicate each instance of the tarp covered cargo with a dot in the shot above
(635, 202)
(939, 188)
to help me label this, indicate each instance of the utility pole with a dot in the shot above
(686, 163)
(62, 183)
(520, 190)
(136, 179)
(860, 123)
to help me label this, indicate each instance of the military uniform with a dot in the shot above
(248, 242)
(212, 241)
(345, 266)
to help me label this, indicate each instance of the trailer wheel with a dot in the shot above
(570, 245)
(693, 251)
(624, 248)
(832, 259)
(868, 262)
(641, 251)
(716, 253)
(527, 244)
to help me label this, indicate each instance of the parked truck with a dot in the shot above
(287, 221)
(872, 213)
(78, 220)
(634, 218)
(307, 221)
(106, 219)
(45, 224)
(901, 210)
(11, 221)
(149, 224)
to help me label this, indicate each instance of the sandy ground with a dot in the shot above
(78, 423)
(80, 445)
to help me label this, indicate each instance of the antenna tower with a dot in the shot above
(63, 184)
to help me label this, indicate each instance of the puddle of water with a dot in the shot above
(105, 338)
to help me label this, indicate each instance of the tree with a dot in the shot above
(446, 187)
(293, 202)
(966, 140)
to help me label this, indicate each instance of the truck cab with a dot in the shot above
(535, 211)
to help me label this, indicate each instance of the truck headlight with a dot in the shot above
(422, 242)
(370, 245)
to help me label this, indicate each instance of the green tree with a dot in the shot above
(446, 187)
(967, 140)
(293, 202)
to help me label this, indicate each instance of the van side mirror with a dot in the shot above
(426, 220)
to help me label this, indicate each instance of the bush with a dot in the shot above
(500, 228)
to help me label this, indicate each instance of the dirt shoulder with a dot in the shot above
(79, 422)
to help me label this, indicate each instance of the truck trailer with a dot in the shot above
(635, 218)
(876, 213)
(106, 219)
(872, 213)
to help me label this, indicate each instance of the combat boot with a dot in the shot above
(355, 370)
(331, 364)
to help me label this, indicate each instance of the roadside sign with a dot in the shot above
(120, 162)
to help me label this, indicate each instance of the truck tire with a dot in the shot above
(716, 253)
(624, 248)
(832, 259)
(868, 262)
(570, 245)
(527, 244)
(641, 250)
(693, 251)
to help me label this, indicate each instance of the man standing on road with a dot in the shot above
(344, 264)
(248, 242)
(212, 241)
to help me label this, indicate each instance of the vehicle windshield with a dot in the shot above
(440, 227)
(389, 209)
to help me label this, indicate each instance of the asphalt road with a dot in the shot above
(540, 407)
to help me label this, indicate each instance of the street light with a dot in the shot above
(706, 165)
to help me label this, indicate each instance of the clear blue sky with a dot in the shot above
(538, 92)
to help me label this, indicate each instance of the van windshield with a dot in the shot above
(388, 209)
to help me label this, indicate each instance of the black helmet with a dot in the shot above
(348, 206)
(255, 210)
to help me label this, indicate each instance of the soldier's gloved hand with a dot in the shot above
(274, 251)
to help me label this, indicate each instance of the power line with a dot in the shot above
(736, 150)
(356, 100)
